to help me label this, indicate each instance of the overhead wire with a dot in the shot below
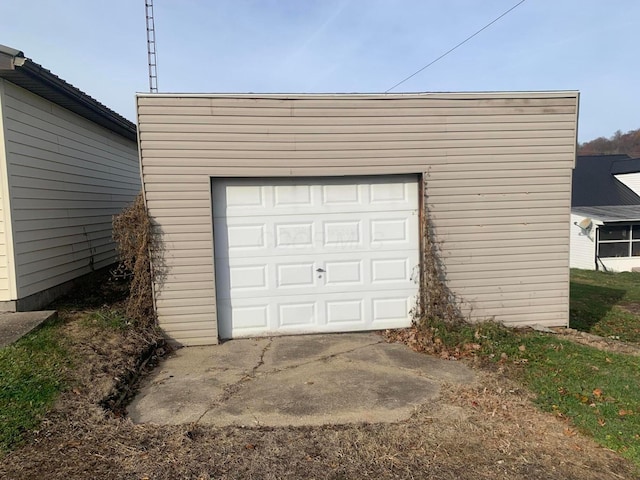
(458, 45)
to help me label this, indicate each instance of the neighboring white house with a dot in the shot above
(282, 214)
(605, 213)
(67, 164)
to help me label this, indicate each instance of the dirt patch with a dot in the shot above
(633, 308)
(490, 431)
(595, 341)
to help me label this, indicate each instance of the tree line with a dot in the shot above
(619, 142)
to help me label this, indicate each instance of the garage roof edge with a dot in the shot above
(493, 94)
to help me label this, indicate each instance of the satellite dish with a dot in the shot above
(586, 224)
(586, 227)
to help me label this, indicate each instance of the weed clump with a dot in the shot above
(135, 240)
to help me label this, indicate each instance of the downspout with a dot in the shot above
(595, 250)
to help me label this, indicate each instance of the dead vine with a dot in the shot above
(435, 300)
(135, 240)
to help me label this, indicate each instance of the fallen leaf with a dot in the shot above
(250, 446)
(602, 422)
(608, 360)
(522, 348)
(570, 432)
(597, 392)
(624, 412)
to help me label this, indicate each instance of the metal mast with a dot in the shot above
(151, 47)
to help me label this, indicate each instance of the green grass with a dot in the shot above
(109, 319)
(32, 373)
(598, 392)
(606, 304)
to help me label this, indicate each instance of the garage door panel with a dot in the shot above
(245, 199)
(295, 275)
(345, 311)
(390, 270)
(324, 255)
(344, 272)
(391, 308)
(255, 276)
(306, 314)
(314, 234)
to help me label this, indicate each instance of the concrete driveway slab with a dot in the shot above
(299, 380)
(15, 325)
(292, 351)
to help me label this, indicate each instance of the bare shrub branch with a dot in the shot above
(135, 239)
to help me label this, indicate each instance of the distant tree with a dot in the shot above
(619, 142)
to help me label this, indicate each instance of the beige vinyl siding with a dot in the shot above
(67, 178)
(5, 291)
(6, 270)
(497, 169)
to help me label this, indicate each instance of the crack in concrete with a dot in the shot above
(230, 390)
(320, 359)
(261, 359)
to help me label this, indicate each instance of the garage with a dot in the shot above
(315, 255)
(279, 214)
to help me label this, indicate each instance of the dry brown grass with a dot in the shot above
(490, 431)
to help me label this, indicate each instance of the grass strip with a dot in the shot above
(598, 392)
(32, 373)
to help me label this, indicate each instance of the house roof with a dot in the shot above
(616, 213)
(18, 69)
(594, 183)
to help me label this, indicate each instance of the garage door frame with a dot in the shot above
(415, 269)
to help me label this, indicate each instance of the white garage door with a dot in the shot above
(315, 255)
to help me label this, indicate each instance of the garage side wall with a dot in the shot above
(67, 178)
(497, 172)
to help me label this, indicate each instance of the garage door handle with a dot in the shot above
(319, 270)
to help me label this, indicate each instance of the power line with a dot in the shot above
(458, 45)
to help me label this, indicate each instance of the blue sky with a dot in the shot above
(341, 46)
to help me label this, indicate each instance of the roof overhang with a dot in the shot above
(610, 213)
(25, 73)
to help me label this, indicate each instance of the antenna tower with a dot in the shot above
(151, 47)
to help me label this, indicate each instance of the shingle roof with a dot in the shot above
(18, 69)
(594, 183)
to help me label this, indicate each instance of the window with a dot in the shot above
(619, 241)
